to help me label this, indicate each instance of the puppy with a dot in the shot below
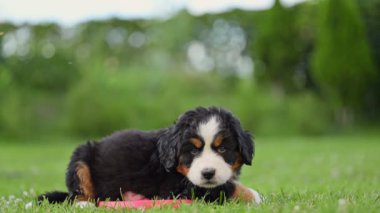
(200, 156)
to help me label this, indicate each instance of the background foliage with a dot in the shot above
(309, 69)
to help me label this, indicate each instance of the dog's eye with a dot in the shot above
(221, 149)
(194, 151)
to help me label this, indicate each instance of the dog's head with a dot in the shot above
(208, 146)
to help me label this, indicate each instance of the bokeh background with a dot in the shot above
(299, 68)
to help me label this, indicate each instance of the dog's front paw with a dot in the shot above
(246, 194)
(84, 204)
(255, 196)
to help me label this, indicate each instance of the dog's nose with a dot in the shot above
(208, 173)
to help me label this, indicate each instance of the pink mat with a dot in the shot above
(143, 204)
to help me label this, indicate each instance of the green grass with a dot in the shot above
(326, 174)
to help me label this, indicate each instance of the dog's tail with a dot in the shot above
(54, 197)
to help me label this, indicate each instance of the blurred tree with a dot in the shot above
(55, 74)
(122, 72)
(342, 62)
(276, 51)
(111, 43)
(371, 13)
(35, 60)
(170, 38)
(4, 73)
(306, 24)
(4, 29)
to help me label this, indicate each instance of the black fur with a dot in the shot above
(167, 147)
(54, 197)
(145, 162)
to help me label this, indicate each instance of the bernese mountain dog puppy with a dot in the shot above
(198, 157)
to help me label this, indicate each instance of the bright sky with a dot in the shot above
(70, 12)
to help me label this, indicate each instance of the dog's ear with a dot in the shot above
(247, 146)
(168, 146)
(245, 142)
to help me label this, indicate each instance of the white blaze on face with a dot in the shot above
(209, 159)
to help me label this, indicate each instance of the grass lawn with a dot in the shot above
(325, 174)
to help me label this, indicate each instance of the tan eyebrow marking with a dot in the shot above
(196, 142)
(218, 141)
